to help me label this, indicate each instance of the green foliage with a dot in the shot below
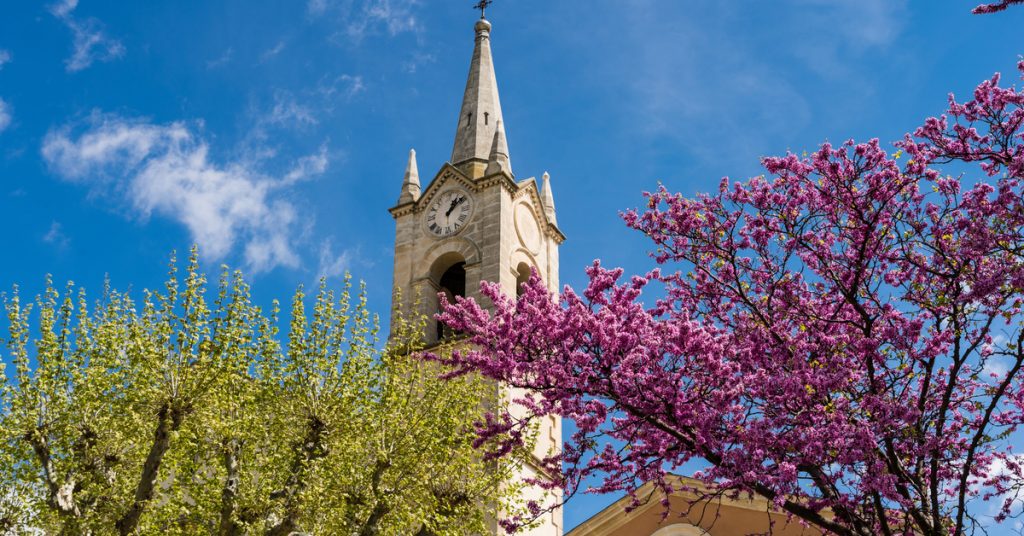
(181, 416)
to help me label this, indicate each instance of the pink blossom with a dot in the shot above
(820, 337)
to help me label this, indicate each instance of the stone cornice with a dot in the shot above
(402, 209)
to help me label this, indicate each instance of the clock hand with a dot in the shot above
(455, 203)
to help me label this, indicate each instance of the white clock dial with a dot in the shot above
(448, 212)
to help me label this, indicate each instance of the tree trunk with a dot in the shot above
(61, 495)
(380, 508)
(312, 448)
(169, 420)
(372, 525)
(229, 493)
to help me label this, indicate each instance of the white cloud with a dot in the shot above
(166, 169)
(89, 40)
(289, 112)
(269, 123)
(345, 86)
(272, 52)
(55, 235)
(308, 166)
(831, 30)
(995, 369)
(363, 17)
(712, 95)
(5, 115)
(221, 60)
(17, 507)
(395, 15)
(63, 8)
(687, 78)
(417, 60)
(862, 23)
(332, 264)
(1013, 480)
(317, 7)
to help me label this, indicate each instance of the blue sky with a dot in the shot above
(275, 134)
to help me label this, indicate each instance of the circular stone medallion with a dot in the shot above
(527, 228)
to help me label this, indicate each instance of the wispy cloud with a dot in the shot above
(344, 86)
(417, 60)
(332, 264)
(268, 124)
(691, 81)
(273, 51)
(861, 23)
(308, 166)
(830, 31)
(63, 8)
(5, 115)
(89, 39)
(167, 170)
(223, 59)
(711, 95)
(5, 109)
(55, 236)
(364, 17)
(287, 111)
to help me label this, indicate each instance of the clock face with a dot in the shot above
(448, 212)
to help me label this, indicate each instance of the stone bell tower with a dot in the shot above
(475, 222)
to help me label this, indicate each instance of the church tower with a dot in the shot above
(475, 222)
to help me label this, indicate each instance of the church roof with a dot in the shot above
(480, 117)
(694, 509)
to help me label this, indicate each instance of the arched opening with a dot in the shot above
(522, 276)
(452, 283)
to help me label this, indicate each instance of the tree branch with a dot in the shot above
(169, 419)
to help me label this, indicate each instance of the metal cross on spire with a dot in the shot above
(482, 6)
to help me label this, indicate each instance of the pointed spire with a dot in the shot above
(548, 199)
(480, 116)
(498, 159)
(411, 183)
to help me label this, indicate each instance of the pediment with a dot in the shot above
(448, 174)
(530, 189)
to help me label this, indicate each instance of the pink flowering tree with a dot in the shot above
(842, 335)
(995, 7)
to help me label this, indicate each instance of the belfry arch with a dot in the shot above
(448, 276)
(522, 276)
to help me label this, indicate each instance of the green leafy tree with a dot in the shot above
(183, 415)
